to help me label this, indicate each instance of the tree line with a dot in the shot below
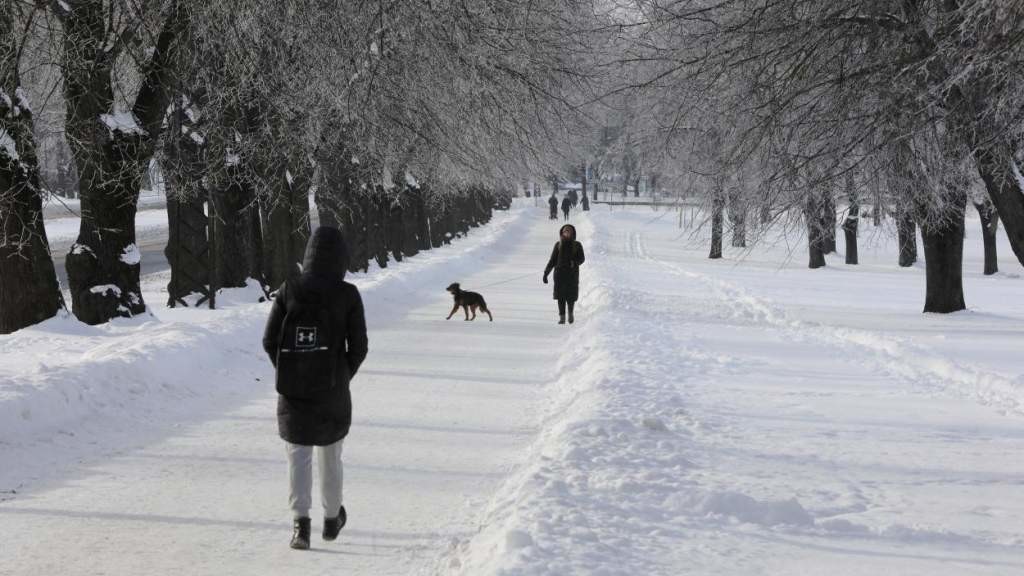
(403, 122)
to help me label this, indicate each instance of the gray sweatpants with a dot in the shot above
(300, 478)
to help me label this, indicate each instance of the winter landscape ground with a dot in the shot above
(741, 416)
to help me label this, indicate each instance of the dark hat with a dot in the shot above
(326, 253)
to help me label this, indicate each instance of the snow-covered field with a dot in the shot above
(741, 416)
(150, 224)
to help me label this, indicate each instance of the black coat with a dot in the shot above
(325, 419)
(566, 258)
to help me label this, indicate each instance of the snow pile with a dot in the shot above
(8, 146)
(123, 122)
(131, 255)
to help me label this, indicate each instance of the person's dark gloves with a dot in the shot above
(545, 278)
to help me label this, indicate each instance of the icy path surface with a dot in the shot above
(442, 413)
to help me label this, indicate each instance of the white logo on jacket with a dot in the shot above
(305, 337)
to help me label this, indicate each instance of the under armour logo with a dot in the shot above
(305, 337)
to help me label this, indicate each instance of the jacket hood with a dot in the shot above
(326, 254)
(572, 231)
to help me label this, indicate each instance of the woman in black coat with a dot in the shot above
(566, 258)
(321, 419)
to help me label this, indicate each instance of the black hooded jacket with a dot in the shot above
(326, 419)
(566, 258)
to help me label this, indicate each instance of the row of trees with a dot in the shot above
(799, 110)
(404, 120)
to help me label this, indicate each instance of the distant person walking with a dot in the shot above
(565, 261)
(316, 339)
(574, 198)
(553, 204)
(566, 207)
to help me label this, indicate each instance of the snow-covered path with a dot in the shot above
(442, 412)
(730, 417)
(722, 418)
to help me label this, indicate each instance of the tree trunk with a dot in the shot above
(1003, 182)
(850, 232)
(906, 232)
(395, 228)
(410, 223)
(583, 179)
(287, 230)
(29, 292)
(717, 207)
(828, 223)
(815, 232)
(738, 220)
(943, 253)
(233, 229)
(187, 248)
(989, 227)
(111, 149)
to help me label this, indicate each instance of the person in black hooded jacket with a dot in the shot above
(322, 421)
(566, 258)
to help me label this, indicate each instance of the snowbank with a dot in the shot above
(78, 389)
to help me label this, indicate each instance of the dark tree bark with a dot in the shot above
(111, 150)
(989, 227)
(418, 196)
(943, 253)
(850, 233)
(737, 219)
(583, 179)
(850, 223)
(29, 292)
(395, 227)
(410, 222)
(828, 223)
(233, 229)
(187, 248)
(717, 207)
(287, 227)
(815, 232)
(906, 232)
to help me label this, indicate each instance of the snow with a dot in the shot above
(22, 98)
(131, 255)
(411, 181)
(8, 145)
(1017, 175)
(122, 121)
(150, 226)
(740, 416)
(194, 135)
(64, 5)
(106, 289)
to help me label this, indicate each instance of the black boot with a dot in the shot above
(300, 538)
(334, 525)
(561, 318)
(571, 319)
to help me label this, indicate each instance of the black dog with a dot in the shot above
(467, 300)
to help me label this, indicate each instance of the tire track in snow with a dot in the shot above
(913, 363)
